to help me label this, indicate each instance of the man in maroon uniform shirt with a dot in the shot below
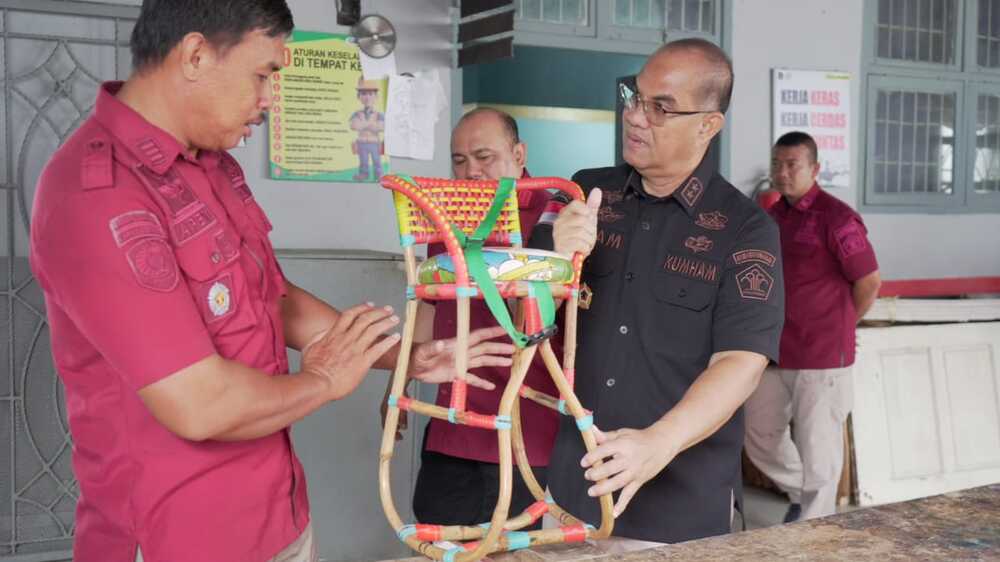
(831, 279)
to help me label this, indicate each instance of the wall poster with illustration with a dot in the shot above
(327, 122)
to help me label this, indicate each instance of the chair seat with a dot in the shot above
(504, 264)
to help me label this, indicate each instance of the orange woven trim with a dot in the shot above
(458, 393)
(428, 533)
(532, 317)
(473, 419)
(537, 510)
(574, 533)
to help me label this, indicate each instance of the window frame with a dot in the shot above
(960, 43)
(986, 201)
(972, 53)
(608, 30)
(545, 27)
(921, 85)
(966, 78)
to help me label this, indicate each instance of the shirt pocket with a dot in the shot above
(600, 274)
(266, 257)
(608, 254)
(218, 282)
(685, 306)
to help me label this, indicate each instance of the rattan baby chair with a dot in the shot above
(464, 215)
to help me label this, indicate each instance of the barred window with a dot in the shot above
(573, 12)
(696, 16)
(918, 30)
(986, 173)
(684, 16)
(914, 136)
(932, 135)
(639, 13)
(988, 36)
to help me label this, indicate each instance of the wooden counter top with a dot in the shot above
(957, 526)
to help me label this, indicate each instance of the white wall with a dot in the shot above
(355, 216)
(827, 35)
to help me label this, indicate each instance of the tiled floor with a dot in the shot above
(765, 508)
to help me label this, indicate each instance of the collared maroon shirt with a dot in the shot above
(825, 247)
(151, 260)
(540, 423)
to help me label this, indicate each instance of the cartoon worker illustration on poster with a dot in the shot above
(369, 123)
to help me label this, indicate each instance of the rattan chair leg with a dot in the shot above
(574, 407)
(392, 416)
(522, 361)
(521, 455)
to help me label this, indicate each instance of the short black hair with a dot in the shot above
(163, 23)
(508, 122)
(798, 138)
(717, 80)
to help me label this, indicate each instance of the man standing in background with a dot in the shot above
(831, 279)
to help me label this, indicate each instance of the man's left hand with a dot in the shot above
(434, 361)
(631, 458)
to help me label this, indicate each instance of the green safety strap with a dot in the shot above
(473, 249)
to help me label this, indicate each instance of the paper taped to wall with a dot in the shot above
(414, 106)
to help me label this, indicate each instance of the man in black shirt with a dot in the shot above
(682, 308)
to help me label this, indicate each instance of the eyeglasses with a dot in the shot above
(655, 112)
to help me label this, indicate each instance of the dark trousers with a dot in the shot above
(456, 491)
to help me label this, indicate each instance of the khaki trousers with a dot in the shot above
(806, 465)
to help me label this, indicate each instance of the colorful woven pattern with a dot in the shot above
(505, 264)
(462, 203)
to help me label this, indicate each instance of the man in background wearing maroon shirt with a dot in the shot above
(831, 279)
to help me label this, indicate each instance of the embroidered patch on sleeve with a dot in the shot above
(755, 283)
(754, 255)
(153, 263)
(216, 298)
(134, 225)
(850, 239)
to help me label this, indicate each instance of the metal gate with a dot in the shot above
(53, 56)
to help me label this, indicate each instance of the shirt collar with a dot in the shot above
(808, 199)
(154, 147)
(802, 204)
(690, 193)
